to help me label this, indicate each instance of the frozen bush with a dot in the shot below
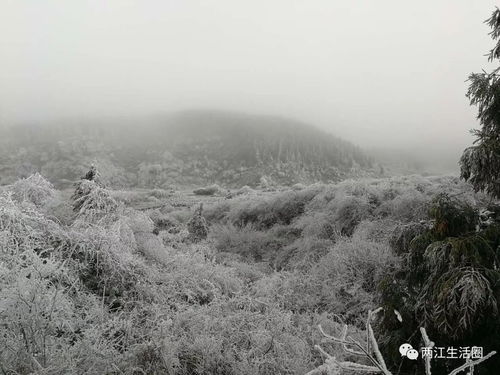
(301, 253)
(181, 216)
(34, 189)
(139, 222)
(248, 273)
(403, 234)
(357, 261)
(409, 206)
(217, 213)
(23, 228)
(281, 208)
(105, 260)
(162, 221)
(92, 202)
(318, 224)
(348, 213)
(151, 246)
(209, 190)
(190, 277)
(197, 226)
(245, 241)
(343, 281)
(45, 317)
(159, 193)
(33, 310)
(377, 230)
(293, 291)
(250, 339)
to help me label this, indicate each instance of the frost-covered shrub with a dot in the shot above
(249, 273)
(191, 277)
(197, 226)
(356, 261)
(41, 303)
(452, 217)
(294, 291)
(176, 239)
(301, 253)
(209, 190)
(217, 213)
(92, 202)
(60, 211)
(281, 208)
(409, 206)
(159, 193)
(34, 311)
(162, 221)
(349, 212)
(246, 241)
(34, 189)
(352, 271)
(105, 260)
(343, 281)
(151, 246)
(378, 230)
(240, 336)
(403, 234)
(181, 216)
(318, 224)
(139, 221)
(23, 227)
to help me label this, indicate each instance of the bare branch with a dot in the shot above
(332, 365)
(429, 344)
(358, 367)
(374, 343)
(471, 364)
(342, 340)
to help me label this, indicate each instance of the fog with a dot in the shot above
(385, 73)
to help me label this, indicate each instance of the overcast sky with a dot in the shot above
(377, 72)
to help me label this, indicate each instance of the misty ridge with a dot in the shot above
(265, 187)
(187, 148)
(196, 147)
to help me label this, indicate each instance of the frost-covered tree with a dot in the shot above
(197, 226)
(448, 283)
(91, 201)
(480, 164)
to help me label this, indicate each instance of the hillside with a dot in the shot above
(185, 148)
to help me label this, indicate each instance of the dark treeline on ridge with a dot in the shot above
(189, 147)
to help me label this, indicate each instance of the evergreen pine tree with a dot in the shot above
(480, 164)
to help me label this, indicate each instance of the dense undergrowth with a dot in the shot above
(92, 286)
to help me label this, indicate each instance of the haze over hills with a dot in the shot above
(437, 160)
(185, 148)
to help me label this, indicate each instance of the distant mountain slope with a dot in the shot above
(188, 148)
